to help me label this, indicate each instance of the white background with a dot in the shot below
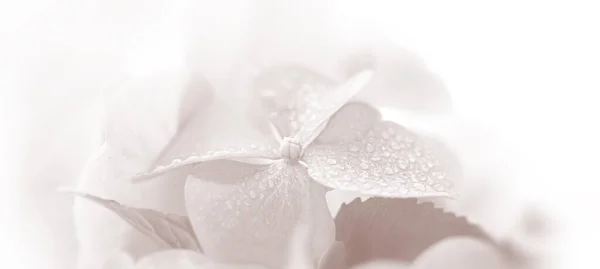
(527, 70)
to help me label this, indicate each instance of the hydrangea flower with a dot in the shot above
(243, 211)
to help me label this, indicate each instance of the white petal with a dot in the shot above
(173, 259)
(224, 132)
(287, 93)
(460, 252)
(403, 81)
(141, 120)
(375, 157)
(185, 259)
(329, 103)
(249, 216)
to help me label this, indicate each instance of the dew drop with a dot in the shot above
(370, 148)
(176, 161)
(395, 145)
(439, 187)
(358, 135)
(331, 161)
(353, 148)
(376, 158)
(419, 186)
(252, 194)
(229, 205)
(389, 171)
(385, 135)
(261, 196)
(364, 166)
(403, 165)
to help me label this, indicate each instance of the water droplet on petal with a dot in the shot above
(419, 186)
(364, 166)
(389, 171)
(252, 194)
(370, 148)
(331, 161)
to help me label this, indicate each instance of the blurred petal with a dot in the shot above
(120, 260)
(382, 264)
(374, 157)
(173, 259)
(185, 259)
(141, 119)
(460, 253)
(402, 80)
(250, 217)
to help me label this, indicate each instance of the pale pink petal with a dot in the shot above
(173, 259)
(185, 259)
(298, 101)
(375, 157)
(460, 253)
(286, 92)
(225, 131)
(382, 264)
(403, 80)
(328, 104)
(142, 117)
(249, 216)
(119, 260)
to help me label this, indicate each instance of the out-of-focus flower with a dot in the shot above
(142, 118)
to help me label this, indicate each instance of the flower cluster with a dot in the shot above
(257, 168)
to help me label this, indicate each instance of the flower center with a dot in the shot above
(290, 149)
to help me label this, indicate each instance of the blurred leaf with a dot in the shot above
(166, 229)
(398, 229)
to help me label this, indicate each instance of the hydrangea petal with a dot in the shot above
(461, 252)
(217, 136)
(287, 92)
(250, 217)
(141, 118)
(328, 104)
(403, 80)
(375, 157)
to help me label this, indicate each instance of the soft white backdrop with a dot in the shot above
(525, 70)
